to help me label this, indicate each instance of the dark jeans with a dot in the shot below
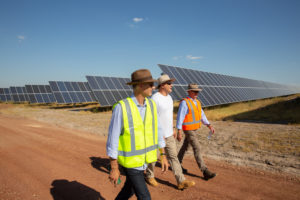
(134, 184)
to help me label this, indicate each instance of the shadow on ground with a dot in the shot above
(73, 190)
(184, 172)
(167, 183)
(102, 164)
(285, 112)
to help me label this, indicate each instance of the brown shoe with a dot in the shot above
(152, 182)
(208, 174)
(185, 184)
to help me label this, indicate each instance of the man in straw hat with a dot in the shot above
(134, 137)
(189, 118)
(164, 105)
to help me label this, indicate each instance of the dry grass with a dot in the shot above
(275, 110)
(285, 143)
(74, 118)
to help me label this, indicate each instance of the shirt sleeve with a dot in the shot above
(114, 131)
(204, 120)
(182, 111)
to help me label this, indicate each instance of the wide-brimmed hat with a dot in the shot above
(163, 79)
(141, 76)
(194, 87)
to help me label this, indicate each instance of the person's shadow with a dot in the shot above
(158, 164)
(73, 190)
(102, 164)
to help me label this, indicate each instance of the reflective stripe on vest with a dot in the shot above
(192, 120)
(142, 136)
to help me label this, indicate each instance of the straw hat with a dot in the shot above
(194, 87)
(141, 76)
(163, 79)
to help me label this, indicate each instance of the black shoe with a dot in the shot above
(184, 170)
(208, 175)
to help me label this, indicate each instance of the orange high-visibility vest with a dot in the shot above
(192, 120)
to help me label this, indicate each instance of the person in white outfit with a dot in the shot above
(164, 103)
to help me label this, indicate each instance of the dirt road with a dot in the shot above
(42, 161)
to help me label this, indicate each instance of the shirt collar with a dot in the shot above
(136, 102)
(192, 98)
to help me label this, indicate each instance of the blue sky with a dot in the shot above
(45, 40)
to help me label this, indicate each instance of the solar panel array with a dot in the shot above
(109, 90)
(71, 92)
(18, 94)
(222, 89)
(5, 94)
(217, 89)
(39, 94)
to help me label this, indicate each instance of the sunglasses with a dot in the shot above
(167, 83)
(196, 92)
(149, 84)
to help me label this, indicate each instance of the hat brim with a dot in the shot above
(198, 90)
(171, 79)
(141, 82)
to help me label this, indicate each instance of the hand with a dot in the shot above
(179, 135)
(174, 133)
(164, 164)
(114, 176)
(211, 129)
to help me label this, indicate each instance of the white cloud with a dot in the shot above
(137, 19)
(176, 57)
(21, 38)
(190, 57)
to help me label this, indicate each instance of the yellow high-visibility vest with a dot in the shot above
(138, 141)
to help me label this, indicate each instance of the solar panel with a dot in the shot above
(223, 89)
(18, 94)
(39, 94)
(5, 94)
(2, 97)
(71, 92)
(109, 90)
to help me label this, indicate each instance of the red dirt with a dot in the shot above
(41, 161)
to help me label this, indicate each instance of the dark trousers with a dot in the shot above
(134, 184)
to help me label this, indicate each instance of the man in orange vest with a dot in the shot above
(189, 118)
